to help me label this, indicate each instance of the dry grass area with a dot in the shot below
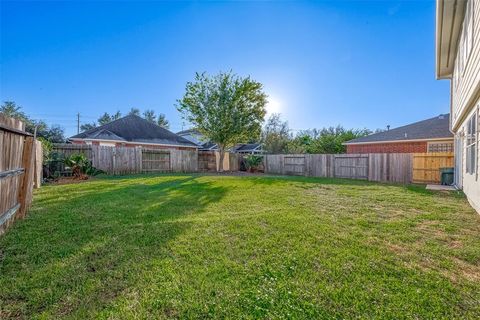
(203, 246)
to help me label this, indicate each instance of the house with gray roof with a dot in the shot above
(132, 131)
(247, 148)
(430, 135)
(199, 139)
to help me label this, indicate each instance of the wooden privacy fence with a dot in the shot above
(19, 152)
(209, 161)
(381, 167)
(426, 166)
(129, 160)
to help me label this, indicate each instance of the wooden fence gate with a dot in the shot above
(353, 166)
(426, 166)
(294, 165)
(155, 160)
(17, 170)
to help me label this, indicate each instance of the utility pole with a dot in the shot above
(78, 123)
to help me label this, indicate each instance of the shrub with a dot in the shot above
(81, 166)
(252, 162)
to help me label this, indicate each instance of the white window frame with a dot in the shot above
(467, 35)
(448, 146)
(471, 151)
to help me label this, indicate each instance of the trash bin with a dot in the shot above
(446, 176)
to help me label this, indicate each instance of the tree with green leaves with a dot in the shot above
(134, 112)
(162, 121)
(54, 133)
(275, 135)
(327, 140)
(149, 115)
(104, 119)
(226, 108)
(117, 115)
(87, 126)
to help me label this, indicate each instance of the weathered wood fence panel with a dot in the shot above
(38, 174)
(294, 165)
(235, 160)
(65, 150)
(426, 166)
(155, 160)
(68, 149)
(390, 167)
(353, 166)
(273, 163)
(320, 165)
(17, 170)
(207, 161)
(129, 160)
(184, 160)
(383, 167)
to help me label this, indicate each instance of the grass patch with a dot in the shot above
(192, 246)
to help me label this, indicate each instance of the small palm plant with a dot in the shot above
(252, 162)
(77, 162)
(81, 167)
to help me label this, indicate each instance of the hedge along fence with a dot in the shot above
(381, 167)
(129, 160)
(20, 170)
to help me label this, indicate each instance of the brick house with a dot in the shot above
(431, 135)
(133, 131)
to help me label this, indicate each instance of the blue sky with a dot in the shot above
(355, 63)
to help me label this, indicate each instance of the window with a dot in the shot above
(467, 36)
(440, 147)
(465, 44)
(468, 30)
(472, 144)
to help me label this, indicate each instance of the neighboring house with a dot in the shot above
(132, 131)
(247, 148)
(199, 139)
(458, 59)
(431, 135)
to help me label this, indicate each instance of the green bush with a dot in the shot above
(81, 166)
(253, 161)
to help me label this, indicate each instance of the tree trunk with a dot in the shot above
(222, 155)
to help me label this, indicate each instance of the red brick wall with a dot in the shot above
(399, 147)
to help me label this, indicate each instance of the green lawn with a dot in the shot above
(183, 246)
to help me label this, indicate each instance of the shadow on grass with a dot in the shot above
(83, 245)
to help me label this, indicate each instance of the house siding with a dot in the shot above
(465, 100)
(465, 85)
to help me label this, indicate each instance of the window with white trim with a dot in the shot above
(465, 45)
(468, 31)
(440, 147)
(472, 144)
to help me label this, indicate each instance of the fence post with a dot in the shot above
(38, 164)
(26, 188)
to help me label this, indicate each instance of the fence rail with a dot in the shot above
(381, 167)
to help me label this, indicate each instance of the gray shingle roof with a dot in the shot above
(134, 129)
(433, 128)
(189, 131)
(246, 147)
(209, 146)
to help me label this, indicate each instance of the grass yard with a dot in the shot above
(192, 246)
